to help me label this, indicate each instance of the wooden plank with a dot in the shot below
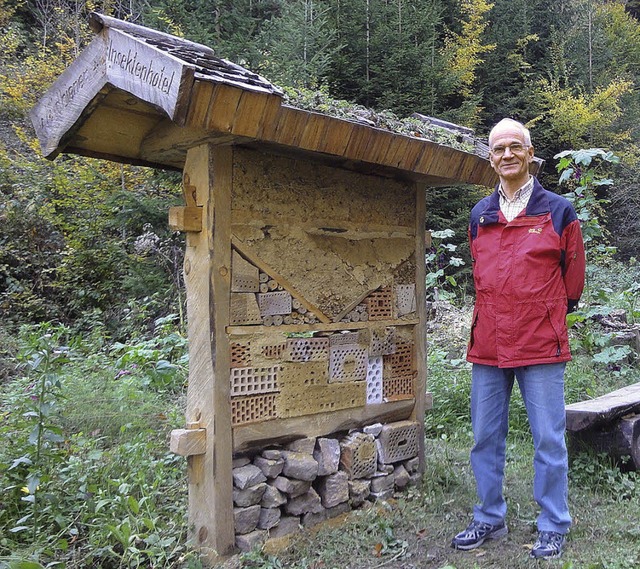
(336, 138)
(253, 436)
(420, 334)
(412, 153)
(290, 126)
(185, 218)
(314, 132)
(317, 327)
(586, 414)
(201, 98)
(188, 442)
(64, 102)
(239, 246)
(207, 279)
(251, 112)
(222, 110)
(148, 73)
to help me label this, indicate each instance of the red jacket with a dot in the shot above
(527, 274)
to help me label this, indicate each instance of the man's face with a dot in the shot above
(510, 155)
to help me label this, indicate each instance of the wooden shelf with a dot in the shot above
(317, 327)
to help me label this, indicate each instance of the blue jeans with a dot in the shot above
(542, 388)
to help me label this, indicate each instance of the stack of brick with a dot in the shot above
(278, 491)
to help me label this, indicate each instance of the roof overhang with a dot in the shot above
(139, 96)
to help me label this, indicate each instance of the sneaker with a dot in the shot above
(548, 546)
(476, 534)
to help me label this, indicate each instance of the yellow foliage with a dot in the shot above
(466, 47)
(580, 119)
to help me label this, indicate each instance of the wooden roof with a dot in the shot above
(139, 96)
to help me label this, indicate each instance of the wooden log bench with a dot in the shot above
(609, 424)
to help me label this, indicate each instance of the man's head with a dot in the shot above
(511, 152)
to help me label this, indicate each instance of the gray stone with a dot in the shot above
(299, 465)
(272, 454)
(241, 461)
(248, 475)
(333, 489)
(381, 483)
(385, 495)
(286, 526)
(314, 518)
(374, 429)
(270, 468)
(305, 446)
(401, 476)
(249, 496)
(309, 502)
(385, 468)
(415, 479)
(246, 519)
(269, 517)
(338, 510)
(412, 465)
(250, 540)
(359, 491)
(327, 455)
(293, 488)
(272, 497)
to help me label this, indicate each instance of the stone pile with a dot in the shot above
(280, 490)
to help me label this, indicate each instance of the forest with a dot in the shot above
(93, 358)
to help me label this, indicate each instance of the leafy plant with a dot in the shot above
(439, 258)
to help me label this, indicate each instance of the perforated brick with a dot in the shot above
(383, 341)
(359, 455)
(398, 441)
(349, 338)
(273, 351)
(320, 399)
(240, 354)
(374, 380)
(244, 309)
(397, 388)
(244, 276)
(274, 303)
(406, 299)
(306, 349)
(253, 409)
(380, 304)
(347, 363)
(401, 362)
(253, 380)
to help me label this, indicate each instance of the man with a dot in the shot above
(528, 270)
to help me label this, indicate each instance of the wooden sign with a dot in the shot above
(118, 59)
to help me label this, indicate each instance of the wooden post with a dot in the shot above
(421, 312)
(207, 268)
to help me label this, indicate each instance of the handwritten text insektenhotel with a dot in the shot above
(144, 71)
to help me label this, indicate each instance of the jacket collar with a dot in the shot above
(538, 204)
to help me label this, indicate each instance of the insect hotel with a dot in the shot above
(304, 271)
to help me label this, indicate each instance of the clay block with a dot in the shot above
(253, 380)
(397, 388)
(273, 351)
(244, 276)
(401, 362)
(406, 299)
(297, 377)
(380, 304)
(274, 303)
(306, 349)
(243, 309)
(348, 363)
(320, 399)
(383, 341)
(240, 354)
(253, 409)
(359, 455)
(374, 381)
(398, 441)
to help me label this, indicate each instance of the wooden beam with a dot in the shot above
(420, 334)
(587, 414)
(317, 327)
(207, 268)
(255, 435)
(188, 442)
(185, 218)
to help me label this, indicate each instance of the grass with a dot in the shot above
(112, 496)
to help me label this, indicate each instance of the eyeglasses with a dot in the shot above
(516, 148)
